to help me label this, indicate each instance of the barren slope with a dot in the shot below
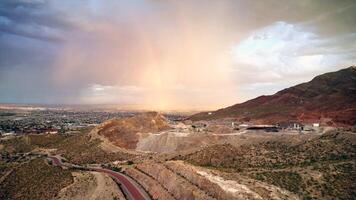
(126, 132)
(320, 167)
(329, 98)
(91, 186)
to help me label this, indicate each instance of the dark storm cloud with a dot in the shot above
(27, 47)
(30, 34)
(331, 16)
(32, 19)
(33, 31)
(24, 52)
(86, 43)
(31, 12)
(334, 21)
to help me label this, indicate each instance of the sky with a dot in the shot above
(168, 54)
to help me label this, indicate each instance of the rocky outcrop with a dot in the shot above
(126, 132)
(149, 184)
(190, 174)
(175, 184)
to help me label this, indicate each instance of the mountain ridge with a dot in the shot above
(329, 98)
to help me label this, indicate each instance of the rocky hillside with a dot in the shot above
(335, 145)
(179, 180)
(320, 167)
(126, 132)
(329, 98)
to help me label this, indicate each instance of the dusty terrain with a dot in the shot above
(91, 186)
(179, 180)
(126, 132)
(174, 137)
(149, 132)
(204, 160)
(322, 166)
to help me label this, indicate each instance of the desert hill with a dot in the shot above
(334, 145)
(329, 98)
(125, 132)
(322, 166)
(148, 132)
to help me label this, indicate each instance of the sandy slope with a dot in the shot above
(231, 187)
(91, 186)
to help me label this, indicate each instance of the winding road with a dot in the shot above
(132, 190)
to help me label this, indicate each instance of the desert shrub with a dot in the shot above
(291, 181)
(17, 145)
(117, 169)
(35, 180)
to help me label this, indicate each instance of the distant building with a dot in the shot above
(291, 125)
(267, 128)
(316, 124)
(199, 126)
(296, 126)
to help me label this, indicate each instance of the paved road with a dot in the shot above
(56, 161)
(131, 189)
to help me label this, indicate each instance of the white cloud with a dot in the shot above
(279, 47)
(284, 54)
(291, 49)
(97, 94)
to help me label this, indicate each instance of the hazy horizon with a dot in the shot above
(168, 55)
(121, 107)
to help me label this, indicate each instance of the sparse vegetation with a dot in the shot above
(320, 167)
(34, 180)
(291, 181)
(77, 148)
(117, 169)
(17, 145)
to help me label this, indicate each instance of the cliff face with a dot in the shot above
(329, 98)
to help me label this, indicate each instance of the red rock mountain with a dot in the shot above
(125, 132)
(329, 98)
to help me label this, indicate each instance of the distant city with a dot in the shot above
(36, 120)
(49, 121)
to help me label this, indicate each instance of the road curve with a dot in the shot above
(130, 188)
